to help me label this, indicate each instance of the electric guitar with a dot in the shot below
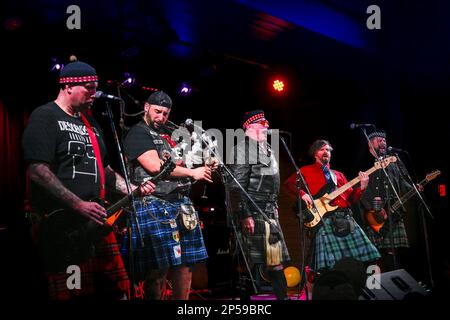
(323, 200)
(376, 221)
(67, 238)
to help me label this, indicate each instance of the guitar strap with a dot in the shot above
(98, 155)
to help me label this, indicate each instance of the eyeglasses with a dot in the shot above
(262, 122)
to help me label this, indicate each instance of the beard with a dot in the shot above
(325, 160)
(151, 123)
(381, 151)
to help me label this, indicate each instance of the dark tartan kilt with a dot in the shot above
(166, 244)
(102, 276)
(383, 239)
(328, 248)
(255, 244)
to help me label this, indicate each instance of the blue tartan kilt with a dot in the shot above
(166, 242)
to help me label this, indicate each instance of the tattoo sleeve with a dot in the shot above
(115, 180)
(41, 174)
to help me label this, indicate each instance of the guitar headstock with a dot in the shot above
(383, 163)
(432, 175)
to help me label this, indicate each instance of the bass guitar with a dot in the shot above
(322, 202)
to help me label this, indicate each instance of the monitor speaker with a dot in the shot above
(394, 285)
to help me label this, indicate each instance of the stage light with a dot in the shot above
(129, 79)
(150, 89)
(278, 85)
(442, 190)
(56, 65)
(185, 89)
(13, 23)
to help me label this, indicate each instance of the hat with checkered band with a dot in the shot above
(252, 117)
(77, 72)
(377, 133)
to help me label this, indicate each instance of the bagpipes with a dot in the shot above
(194, 147)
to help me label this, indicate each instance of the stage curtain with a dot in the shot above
(12, 171)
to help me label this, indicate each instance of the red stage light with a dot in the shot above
(442, 190)
(278, 85)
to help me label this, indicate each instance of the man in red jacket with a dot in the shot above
(338, 235)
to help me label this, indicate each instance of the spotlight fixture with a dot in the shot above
(278, 85)
(129, 79)
(185, 89)
(56, 65)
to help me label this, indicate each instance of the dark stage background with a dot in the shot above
(337, 72)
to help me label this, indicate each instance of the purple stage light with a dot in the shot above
(185, 89)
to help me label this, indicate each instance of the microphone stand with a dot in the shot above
(227, 170)
(406, 173)
(422, 218)
(394, 255)
(223, 172)
(133, 212)
(300, 181)
(237, 236)
(235, 180)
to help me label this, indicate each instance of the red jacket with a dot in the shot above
(315, 180)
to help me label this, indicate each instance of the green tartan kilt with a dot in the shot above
(328, 248)
(383, 239)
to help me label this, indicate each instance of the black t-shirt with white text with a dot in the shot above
(54, 137)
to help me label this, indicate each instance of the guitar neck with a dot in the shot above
(408, 195)
(122, 202)
(349, 184)
(168, 167)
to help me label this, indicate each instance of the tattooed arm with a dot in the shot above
(41, 174)
(117, 182)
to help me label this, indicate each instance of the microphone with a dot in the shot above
(362, 125)
(395, 150)
(101, 95)
(272, 131)
(190, 123)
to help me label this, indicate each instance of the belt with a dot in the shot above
(173, 196)
(341, 212)
(264, 197)
(167, 197)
